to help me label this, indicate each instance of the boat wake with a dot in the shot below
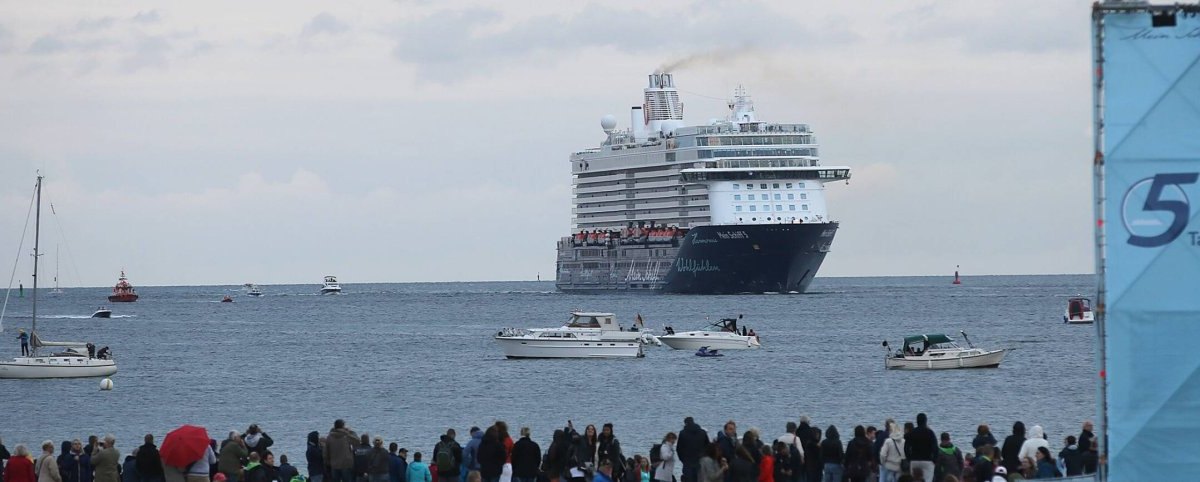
(82, 317)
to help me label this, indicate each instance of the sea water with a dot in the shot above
(407, 361)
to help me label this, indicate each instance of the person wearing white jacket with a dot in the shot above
(891, 455)
(665, 472)
(1037, 438)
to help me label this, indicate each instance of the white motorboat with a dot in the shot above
(331, 286)
(102, 312)
(76, 358)
(586, 335)
(1079, 311)
(721, 335)
(252, 290)
(938, 351)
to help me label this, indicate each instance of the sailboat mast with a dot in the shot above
(37, 231)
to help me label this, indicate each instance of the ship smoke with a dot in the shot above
(700, 58)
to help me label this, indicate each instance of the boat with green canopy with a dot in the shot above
(938, 351)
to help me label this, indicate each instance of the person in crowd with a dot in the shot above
(1012, 448)
(691, 447)
(557, 455)
(471, 451)
(379, 461)
(257, 441)
(338, 453)
(586, 446)
(149, 462)
(742, 468)
(447, 457)
(314, 457)
(663, 469)
(983, 436)
(712, 466)
(418, 471)
(68, 463)
(985, 464)
(922, 447)
(200, 470)
(1000, 475)
(491, 455)
(753, 443)
(814, 466)
(286, 471)
(526, 458)
(949, 460)
(19, 467)
(4, 456)
(766, 465)
(1091, 457)
(129, 468)
(1071, 457)
(397, 463)
(795, 453)
(1035, 441)
(362, 458)
(891, 455)
(258, 470)
(832, 455)
(1046, 466)
(608, 447)
(46, 465)
(727, 441)
(229, 462)
(1086, 437)
(782, 461)
(603, 474)
(857, 458)
(107, 461)
(881, 438)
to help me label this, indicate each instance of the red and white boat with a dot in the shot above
(123, 292)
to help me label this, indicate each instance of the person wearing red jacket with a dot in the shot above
(20, 466)
(766, 465)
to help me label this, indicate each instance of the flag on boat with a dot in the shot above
(639, 321)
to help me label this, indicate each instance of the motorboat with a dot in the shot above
(331, 286)
(722, 335)
(1079, 311)
(123, 292)
(704, 351)
(75, 360)
(252, 290)
(585, 335)
(102, 312)
(938, 351)
(227, 299)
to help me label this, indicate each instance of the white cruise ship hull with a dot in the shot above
(987, 359)
(524, 347)
(56, 367)
(693, 340)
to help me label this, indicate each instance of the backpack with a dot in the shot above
(444, 458)
(656, 454)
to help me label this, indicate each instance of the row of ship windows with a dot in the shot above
(775, 185)
(764, 197)
(767, 208)
(754, 140)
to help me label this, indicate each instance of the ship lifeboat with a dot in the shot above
(123, 292)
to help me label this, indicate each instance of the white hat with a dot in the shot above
(1001, 470)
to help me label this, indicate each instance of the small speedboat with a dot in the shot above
(227, 299)
(102, 312)
(1079, 311)
(704, 351)
(331, 286)
(938, 351)
(252, 290)
(722, 335)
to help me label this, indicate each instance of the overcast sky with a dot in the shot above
(223, 142)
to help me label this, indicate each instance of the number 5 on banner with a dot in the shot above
(1179, 209)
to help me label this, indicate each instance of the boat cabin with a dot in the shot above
(919, 344)
(603, 321)
(1078, 308)
(331, 279)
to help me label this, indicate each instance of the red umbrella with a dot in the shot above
(184, 445)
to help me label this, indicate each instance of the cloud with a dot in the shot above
(47, 44)
(323, 23)
(149, 51)
(147, 17)
(93, 25)
(1036, 27)
(6, 40)
(483, 41)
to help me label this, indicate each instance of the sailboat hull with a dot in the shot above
(56, 367)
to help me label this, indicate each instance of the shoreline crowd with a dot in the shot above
(898, 452)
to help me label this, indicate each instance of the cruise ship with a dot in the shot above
(734, 206)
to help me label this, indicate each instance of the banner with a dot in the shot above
(1148, 130)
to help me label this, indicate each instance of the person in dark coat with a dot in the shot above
(609, 448)
(314, 457)
(526, 458)
(397, 463)
(983, 436)
(693, 442)
(491, 455)
(68, 463)
(129, 470)
(1010, 453)
(149, 463)
(362, 458)
(257, 441)
(286, 471)
(727, 440)
(832, 455)
(379, 462)
(857, 459)
(922, 446)
(742, 467)
(1071, 457)
(814, 466)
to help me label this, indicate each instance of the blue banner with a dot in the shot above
(1149, 68)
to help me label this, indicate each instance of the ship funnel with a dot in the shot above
(637, 123)
(662, 101)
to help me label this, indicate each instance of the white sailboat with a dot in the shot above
(74, 359)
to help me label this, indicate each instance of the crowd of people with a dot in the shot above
(906, 452)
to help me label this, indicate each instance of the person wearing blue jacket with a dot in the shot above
(418, 471)
(315, 458)
(471, 452)
(397, 464)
